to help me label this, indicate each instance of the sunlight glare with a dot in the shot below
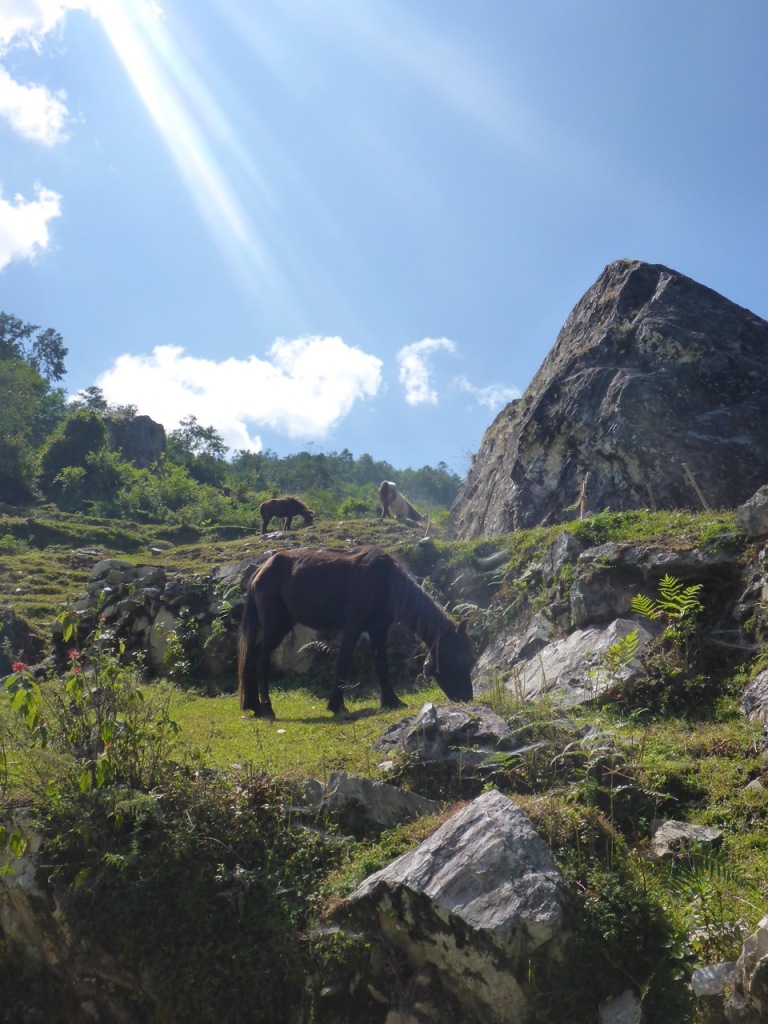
(193, 126)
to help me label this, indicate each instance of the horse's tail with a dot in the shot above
(247, 678)
(414, 513)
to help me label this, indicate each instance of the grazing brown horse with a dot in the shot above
(393, 501)
(286, 508)
(362, 591)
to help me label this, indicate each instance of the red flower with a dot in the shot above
(74, 654)
(18, 666)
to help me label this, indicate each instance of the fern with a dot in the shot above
(676, 601)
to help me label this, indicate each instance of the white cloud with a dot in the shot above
(302, 390)
(494, 396)
(33, 110)
(24, 225)
(414, 372)
(27, 22)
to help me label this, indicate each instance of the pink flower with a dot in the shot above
(74, 655)
(18, 666)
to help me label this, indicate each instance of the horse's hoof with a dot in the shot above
(341, 712)
(265, 711)
(393, 705)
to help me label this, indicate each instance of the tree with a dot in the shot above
(29, 411)
(92, 398)
(200, 450)
(44, 351)
(80, 435)
(195, 439)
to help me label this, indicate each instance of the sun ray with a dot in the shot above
(195, 129)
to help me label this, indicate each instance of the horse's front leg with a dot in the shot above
(349, 639)
(378, 638)
(287, 523)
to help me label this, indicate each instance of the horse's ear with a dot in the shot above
(462, 627)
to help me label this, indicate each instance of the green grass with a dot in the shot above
(306, 740)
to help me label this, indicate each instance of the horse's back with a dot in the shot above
(325, 589)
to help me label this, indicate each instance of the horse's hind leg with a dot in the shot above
(378, 638)
(275, 626)
(349, 639)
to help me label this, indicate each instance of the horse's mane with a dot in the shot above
(409, 603)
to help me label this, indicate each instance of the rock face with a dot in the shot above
(139, 439)
(651, 373)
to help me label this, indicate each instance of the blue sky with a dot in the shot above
(361, 223)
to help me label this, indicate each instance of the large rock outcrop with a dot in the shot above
(650, 374)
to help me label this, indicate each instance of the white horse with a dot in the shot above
(393, 501)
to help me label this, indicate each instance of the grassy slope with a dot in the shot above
(692, 765)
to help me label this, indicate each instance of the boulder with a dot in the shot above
(569, 670)
(671, 838)
(473, 902)
(654, 394)
(379, 802)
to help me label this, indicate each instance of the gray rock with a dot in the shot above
(748, 1003)
(754, 700)
(569, 670)
(436, 730)
(624, 1009)
(713, 980)
(671, 838)
(652, 373)
(752, 516)
(384, 804)
(474, 901)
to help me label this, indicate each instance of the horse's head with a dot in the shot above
(450, 661)
(309, 516)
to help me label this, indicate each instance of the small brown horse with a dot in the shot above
(286, 508)
(363, 591)
(393, 501)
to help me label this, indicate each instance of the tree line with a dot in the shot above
(70, 452)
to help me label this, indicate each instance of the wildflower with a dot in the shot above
(74, 654)
(19, 666)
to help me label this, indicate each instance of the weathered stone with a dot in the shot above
(564, 550)
(654, 392)
(752, 516)
(34, 924)
(754, 701)
(570, 670)
(599, 596)
(748, 1003)
(713, 980)
(100, 570)
(164, 624)
(140, 439)
(18, 642)
(384, 804)
(624, 1009)
(474, 901)
(673, 837)
(435, 730)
